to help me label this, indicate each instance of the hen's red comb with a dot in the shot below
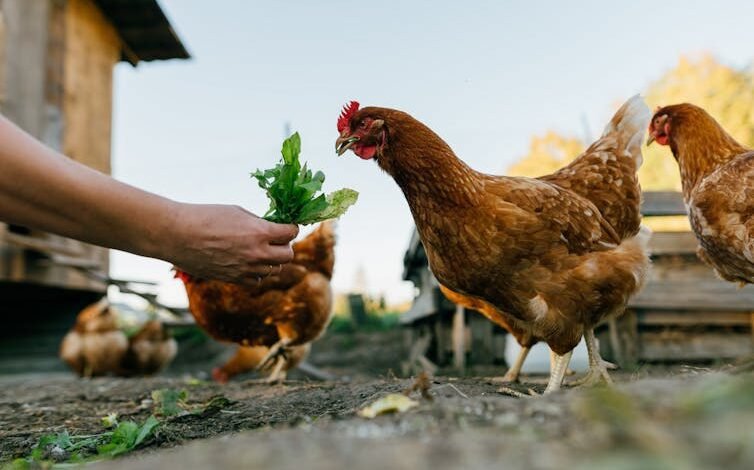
(345, 116)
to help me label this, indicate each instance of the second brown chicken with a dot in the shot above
(280, 312)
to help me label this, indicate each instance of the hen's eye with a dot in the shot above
(363, 124)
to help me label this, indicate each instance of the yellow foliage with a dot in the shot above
(547, 153)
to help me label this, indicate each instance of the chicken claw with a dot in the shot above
(597, 366)
(274, 352)
(278, 374)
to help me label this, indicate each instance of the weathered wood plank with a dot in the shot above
(679, 345)
(92, 50)
(659, 203)
(702, 295)
(703, 318)
(25, 55)
(671, 243)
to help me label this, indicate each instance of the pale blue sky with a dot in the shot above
(485, 75)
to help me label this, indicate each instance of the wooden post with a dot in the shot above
(441, 339)
(459, 333)
(357, 309)
(482, 349)
(617, 348)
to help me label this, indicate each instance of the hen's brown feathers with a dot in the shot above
(606, 173)
(294, 304)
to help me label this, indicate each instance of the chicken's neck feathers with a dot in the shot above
(432, 177)
(701, 152)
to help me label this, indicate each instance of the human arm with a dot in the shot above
(45, 190)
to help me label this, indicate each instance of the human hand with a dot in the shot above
(228, 243)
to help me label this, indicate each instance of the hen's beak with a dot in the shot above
(344, 143)
(650, 139)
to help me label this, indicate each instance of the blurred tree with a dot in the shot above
(547, 153)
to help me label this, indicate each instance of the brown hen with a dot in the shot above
(287, 309)
(552, 256)
(717, 176)
(95, 345)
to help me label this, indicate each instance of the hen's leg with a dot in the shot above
(278, 374)
(568, 371)
(557, 372)
(513, 372)
(275, 350)
(597, 366)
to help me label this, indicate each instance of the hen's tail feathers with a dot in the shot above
(630, 122)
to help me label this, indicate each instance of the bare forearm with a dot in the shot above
(42, 189)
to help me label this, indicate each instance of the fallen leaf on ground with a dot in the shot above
(393, 403)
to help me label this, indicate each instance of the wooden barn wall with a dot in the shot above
(25, 25)
(92, 50)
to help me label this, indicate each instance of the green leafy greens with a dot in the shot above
(292, 190)
(63, 449)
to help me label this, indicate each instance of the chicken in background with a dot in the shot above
(95, 345)
(551, 257)
(717, 177)
(283, 311)
(150, 350)
(249, 358)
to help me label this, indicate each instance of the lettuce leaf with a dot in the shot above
(293, 190)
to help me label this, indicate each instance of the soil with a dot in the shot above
(656, 417)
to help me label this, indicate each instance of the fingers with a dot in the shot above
(277, 254)
(281, 234)
(260, 271)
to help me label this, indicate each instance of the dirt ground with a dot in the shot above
(680, 417)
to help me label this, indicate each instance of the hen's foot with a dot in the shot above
(597, 366)
(597, 374)
(275, 351)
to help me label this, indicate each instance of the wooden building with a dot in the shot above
(56, 82)
(684, 313)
